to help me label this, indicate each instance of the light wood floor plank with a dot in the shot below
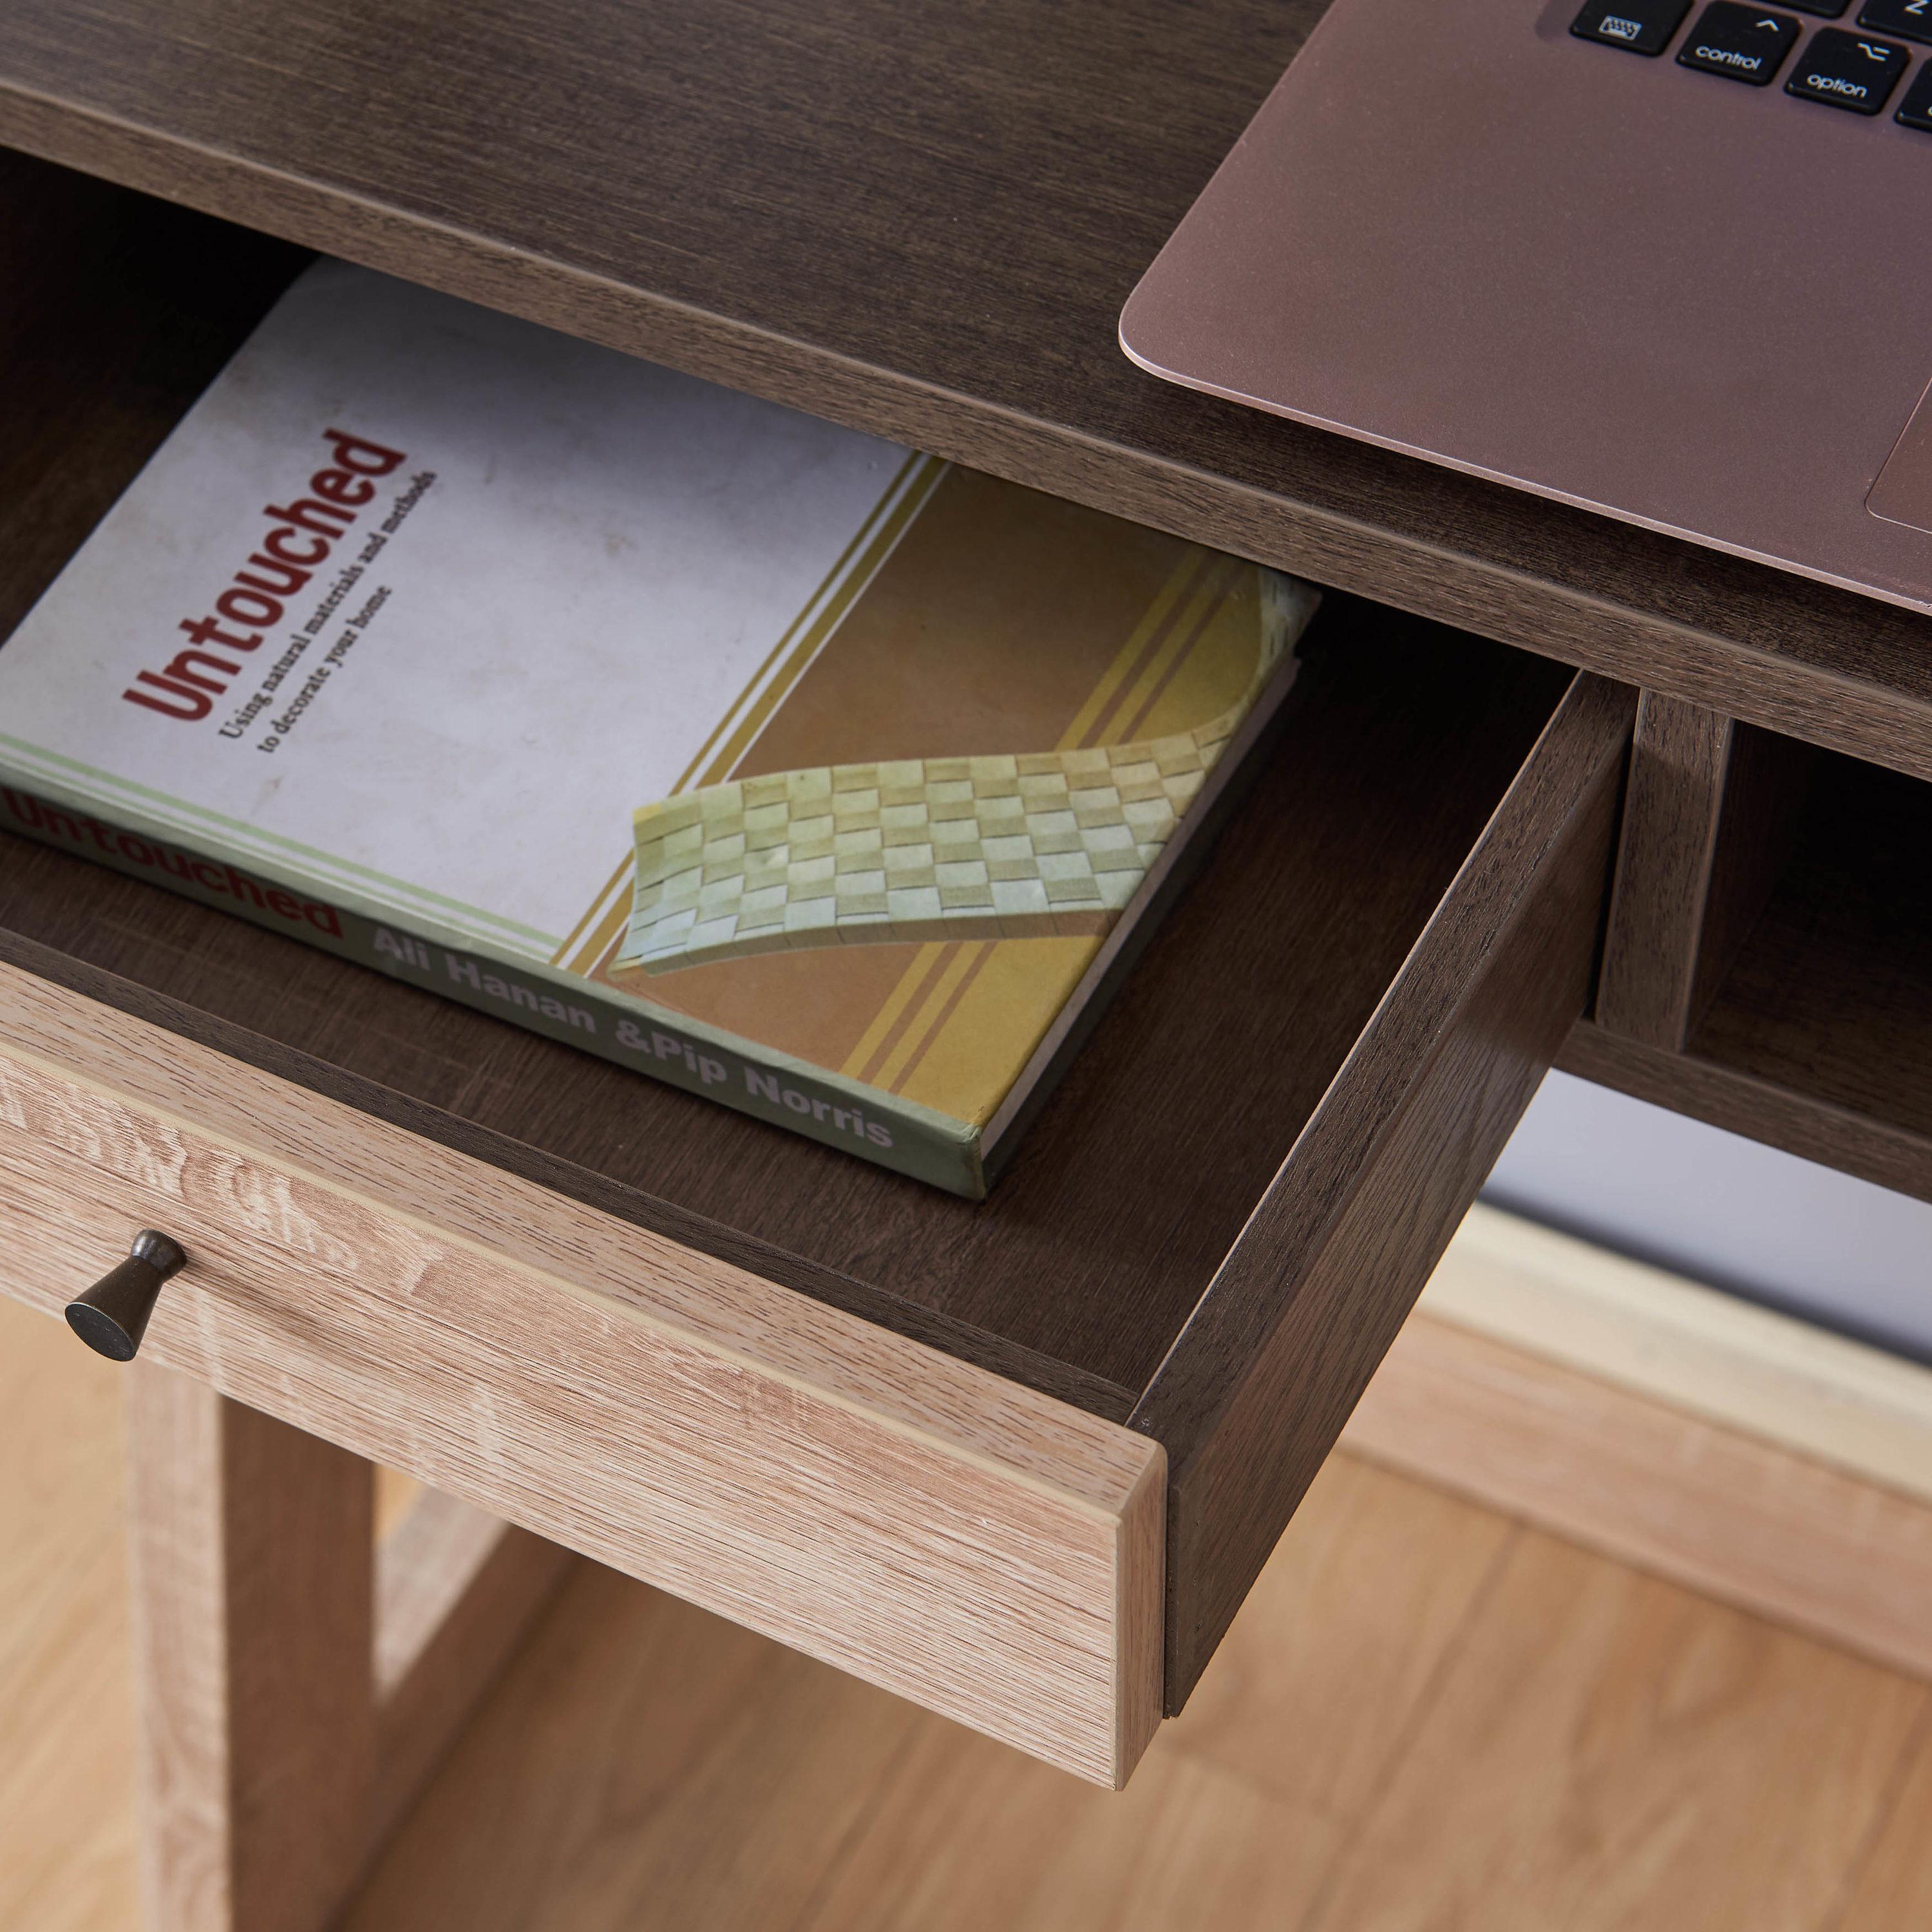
(1892, 1891)
(1787, 1382)
(1728, 1513)
(643, 1765)
(1372, 1589)
(966, 1840)
(1610, 1752)
(1241, 1806)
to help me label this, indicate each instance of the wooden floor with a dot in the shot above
(1428, 1718)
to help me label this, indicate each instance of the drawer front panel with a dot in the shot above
(984, 1550)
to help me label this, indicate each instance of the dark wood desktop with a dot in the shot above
(1451, 874)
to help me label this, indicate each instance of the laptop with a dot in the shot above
(1668, 262)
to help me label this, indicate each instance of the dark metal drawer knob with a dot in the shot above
(111, 1316)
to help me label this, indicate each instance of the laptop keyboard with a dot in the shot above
(1856, 70)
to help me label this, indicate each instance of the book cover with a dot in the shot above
(797, 768)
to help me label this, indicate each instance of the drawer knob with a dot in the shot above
(111, 1316)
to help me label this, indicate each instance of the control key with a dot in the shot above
(1741, 43)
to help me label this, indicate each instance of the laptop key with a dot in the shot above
(1643, 26)
(1911, 18)
(1741, 43)
(1847, 70)
(1916, 110)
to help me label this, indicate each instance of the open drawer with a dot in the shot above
(1020, 1460)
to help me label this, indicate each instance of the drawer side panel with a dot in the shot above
(1258, 1386)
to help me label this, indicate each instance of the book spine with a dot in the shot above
(926, 1147)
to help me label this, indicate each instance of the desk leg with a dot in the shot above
(296, 1689)
(253, 1557)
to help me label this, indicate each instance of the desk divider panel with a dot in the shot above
(1708, 820)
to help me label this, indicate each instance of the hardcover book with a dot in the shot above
(800, 770)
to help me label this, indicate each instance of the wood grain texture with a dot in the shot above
(68, 1856)
(1818, 1039)
(260, 1755)
(979, 1548)
(1732, 1515)
(645, 1766)
(1603, 1751)
(396, 1495)
(252, 1544)
(728, 188)
(1260, 1381)
(456, 1592)
(1830, 995)
(1249, 1799)
(1857, 1408)
(1842, 1137)
(1671, 805)
(1597, 1760)
(1893, 1887)
(1767, 787)
(1404, 739)
(1708, 813)
(119, 312)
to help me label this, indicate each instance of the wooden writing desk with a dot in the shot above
(1020, 1461)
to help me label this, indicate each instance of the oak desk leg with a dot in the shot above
(252, 1564)
(273, 1759)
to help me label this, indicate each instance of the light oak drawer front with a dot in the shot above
(983, 1549)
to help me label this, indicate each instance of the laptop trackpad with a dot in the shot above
(1903, 493)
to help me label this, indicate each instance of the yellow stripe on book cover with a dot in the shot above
(1032, 845)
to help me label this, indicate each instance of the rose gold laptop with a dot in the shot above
(1670, 261)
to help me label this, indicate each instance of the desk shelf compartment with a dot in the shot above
(1816, 1035)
